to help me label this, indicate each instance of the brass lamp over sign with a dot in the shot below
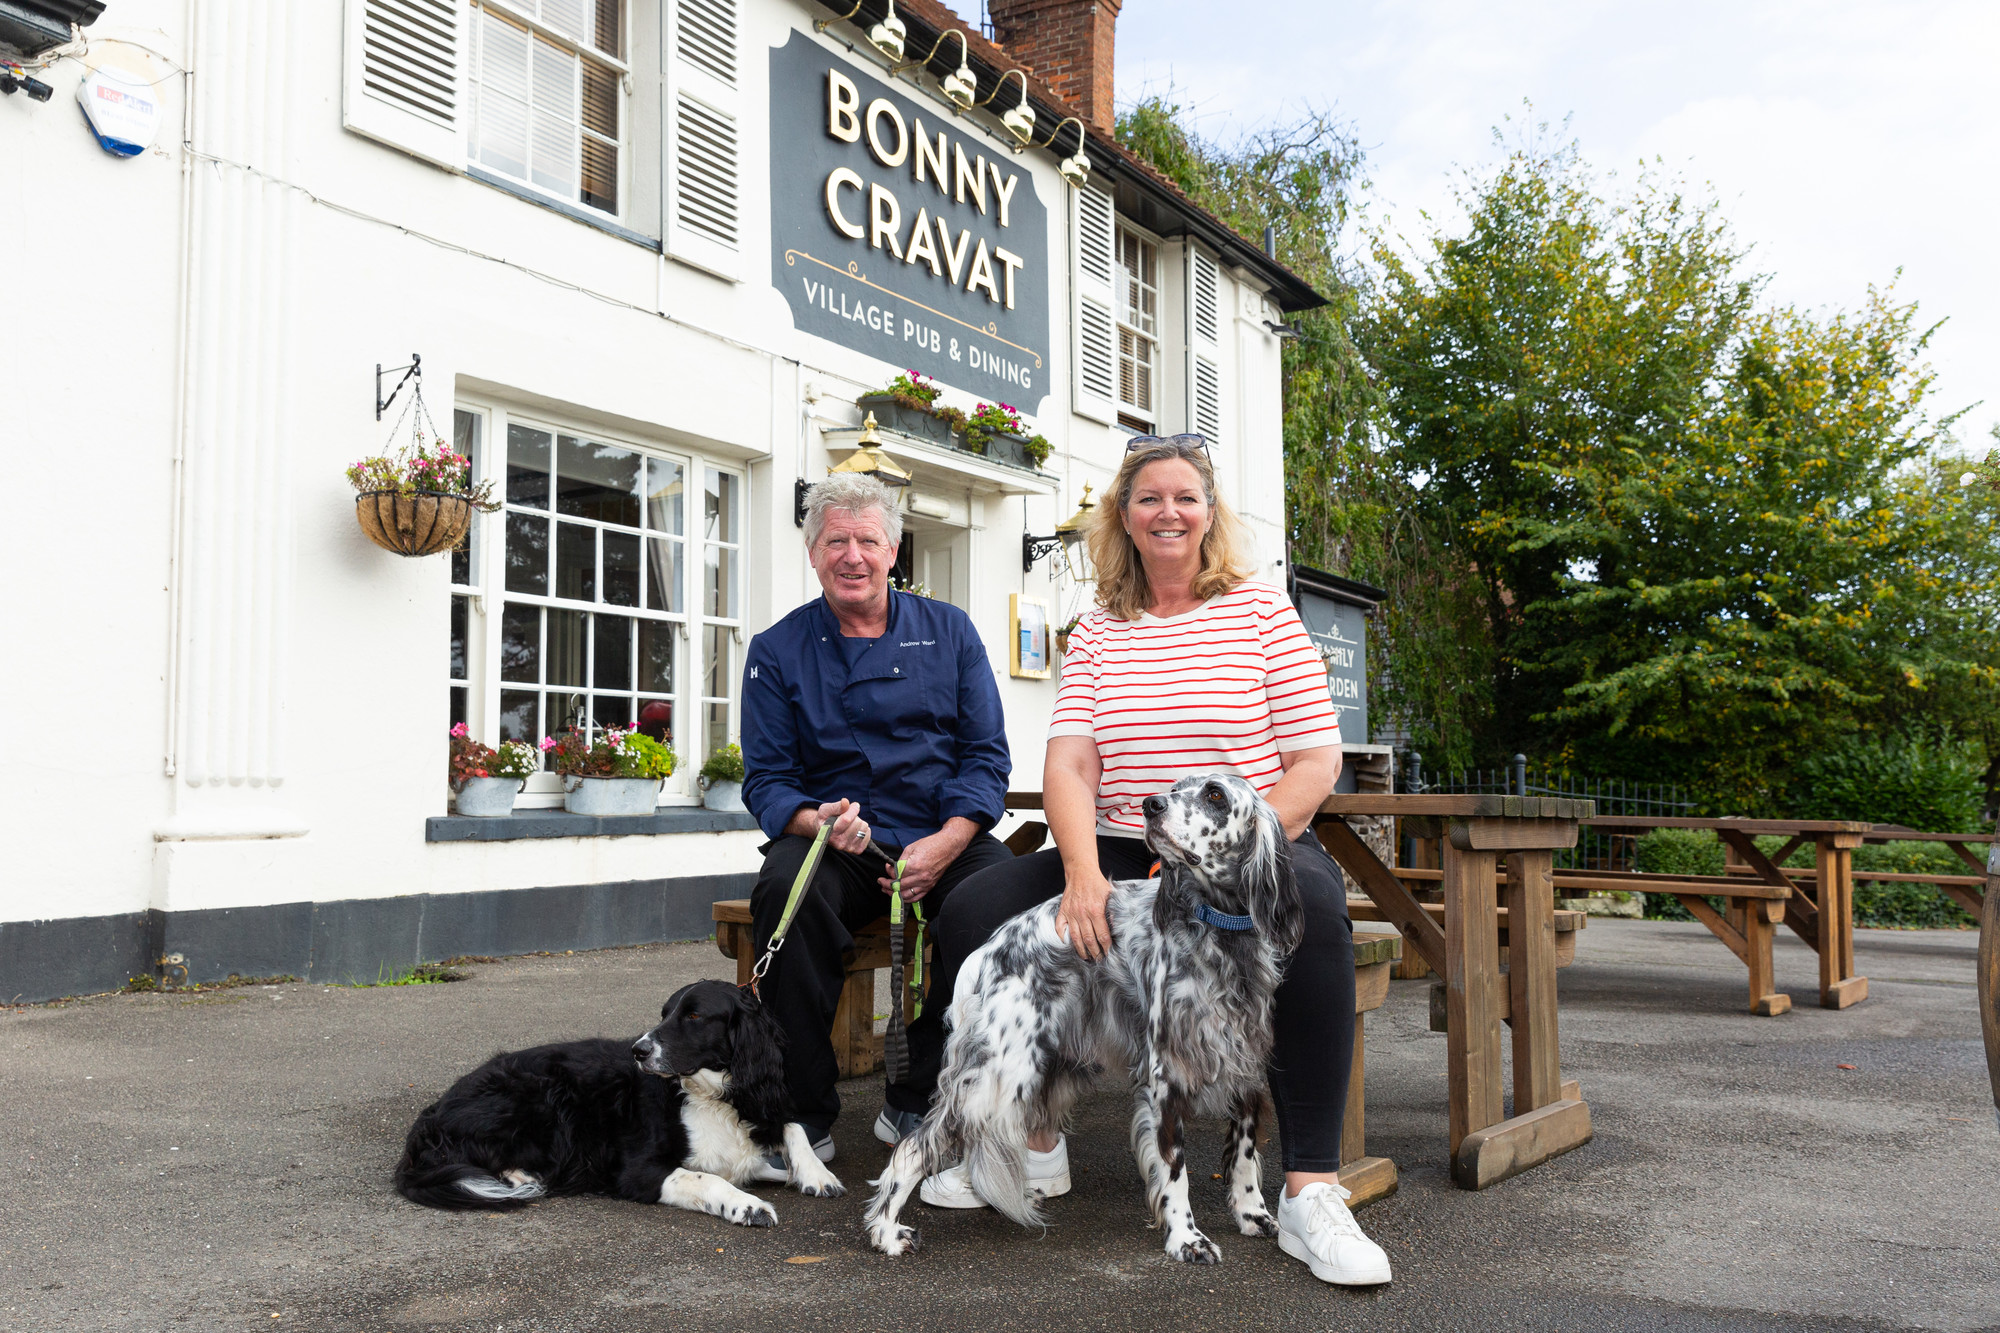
(1068, 534)
(869, 461)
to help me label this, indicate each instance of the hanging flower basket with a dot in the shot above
(417, 523)
(417, 499)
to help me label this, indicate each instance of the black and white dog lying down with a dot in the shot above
(1183, 1005)
(683, 1116)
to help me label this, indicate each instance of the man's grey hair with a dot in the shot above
(852, 493)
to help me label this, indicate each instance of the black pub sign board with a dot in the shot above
(899, 230)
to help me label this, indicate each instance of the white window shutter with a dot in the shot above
(1093, 258)
(404, 76)
(704, 145)
(1204, 368)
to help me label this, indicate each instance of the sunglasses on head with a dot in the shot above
(1145, 441)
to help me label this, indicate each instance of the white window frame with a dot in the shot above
(689, 697)
(516, 14)
(1122, 277)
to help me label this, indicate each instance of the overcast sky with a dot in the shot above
(1844, 140)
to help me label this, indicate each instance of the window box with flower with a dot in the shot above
(910, 406)
(484, 781)
(615, 772)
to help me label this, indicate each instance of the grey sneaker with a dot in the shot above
(893, 1126)
(772, 1171)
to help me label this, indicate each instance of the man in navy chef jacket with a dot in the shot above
(874, 711)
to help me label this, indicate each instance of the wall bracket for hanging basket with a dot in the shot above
(420, 523)
(415, 370)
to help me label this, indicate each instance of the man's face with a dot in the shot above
(853, 558)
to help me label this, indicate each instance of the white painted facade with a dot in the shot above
(223, 694)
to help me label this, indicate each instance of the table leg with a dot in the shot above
(1472, 984)
(1531, 978)
(1760, 918)
(1838, 986)
(1989, 972)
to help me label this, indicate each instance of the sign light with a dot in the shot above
(121, 109)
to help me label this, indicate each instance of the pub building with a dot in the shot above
(650, 256)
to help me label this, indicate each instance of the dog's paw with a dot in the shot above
(1257, 1223)
(829, 1188)
(893, 1239)
(755, 1213)
(1191, 1247)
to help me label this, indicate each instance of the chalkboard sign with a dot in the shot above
(1335, 611)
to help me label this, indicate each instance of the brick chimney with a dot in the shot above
(1067, 45)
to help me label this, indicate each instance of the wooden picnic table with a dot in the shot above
(1475, 835)
(1817, 907)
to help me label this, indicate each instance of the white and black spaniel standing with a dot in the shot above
(1183, 1005)
(683, 1116)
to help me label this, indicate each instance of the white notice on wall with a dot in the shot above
(122, 109)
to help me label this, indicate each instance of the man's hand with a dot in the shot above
(927, 858)
(849, 832)
(1081, 919)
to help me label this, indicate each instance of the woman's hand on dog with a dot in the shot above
(1081, 919)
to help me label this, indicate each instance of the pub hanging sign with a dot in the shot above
(900, 231)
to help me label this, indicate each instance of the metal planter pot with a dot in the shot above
(724, 796)
(611, 796)
(487, 798)
(915, 421)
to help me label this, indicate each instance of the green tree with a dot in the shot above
(1708, 537)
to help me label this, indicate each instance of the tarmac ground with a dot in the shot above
(221, 1161)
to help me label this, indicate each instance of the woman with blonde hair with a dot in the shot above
(1186, 666)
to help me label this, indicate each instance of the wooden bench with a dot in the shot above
(857, 1046)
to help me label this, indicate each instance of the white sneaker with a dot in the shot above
(1317, 1228)
(1048, 1176)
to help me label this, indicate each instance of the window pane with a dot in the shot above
(597, 481)
(718, 680)
(721, 582)
(610, 39)
(465, 428)
(561, 711)
(663, 574)
(527, 467)
(611, 668)
(664, 495)
(517, 716)
(719, 506)
(567, 17)
(527, 553)
(461, 616)
(458, 703)
(656, 719)
(621, 568)
(656, 656)
(576, 562)
(521, 644)
(552, 122)
(718, 728)
(611, 710)
(565, 650)
(500, 136)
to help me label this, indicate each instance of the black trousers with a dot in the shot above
(1314, 1043)
(802, 989)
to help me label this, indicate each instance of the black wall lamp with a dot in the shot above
(1067, 534)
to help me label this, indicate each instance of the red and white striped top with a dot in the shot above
(1226, 687)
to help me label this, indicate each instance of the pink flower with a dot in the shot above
(460, 730)
(548, 742)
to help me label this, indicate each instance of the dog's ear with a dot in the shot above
(757, 1065)
(1270, 885)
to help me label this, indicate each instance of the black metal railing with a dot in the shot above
(1594, 850)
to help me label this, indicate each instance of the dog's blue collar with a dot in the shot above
(1208, 916)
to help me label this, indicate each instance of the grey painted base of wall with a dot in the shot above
(354, 939)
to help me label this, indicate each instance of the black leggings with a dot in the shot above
(1314, 1046)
